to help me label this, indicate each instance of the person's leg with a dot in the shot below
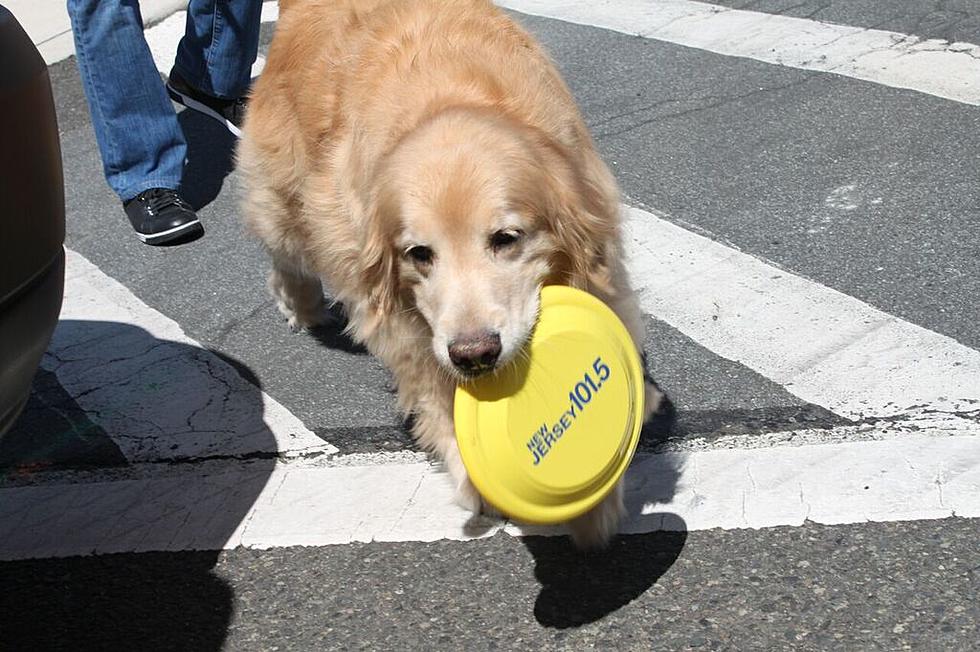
(220, 44)
(140, 141)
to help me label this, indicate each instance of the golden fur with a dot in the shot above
(425, 160)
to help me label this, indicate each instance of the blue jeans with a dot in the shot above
(139, 138)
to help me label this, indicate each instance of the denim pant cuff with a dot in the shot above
(219, 46)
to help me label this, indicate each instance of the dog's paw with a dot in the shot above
(299, 298)
(652, 399)
(468, 497)
(596, 528)
(489, 510)
(302, 318)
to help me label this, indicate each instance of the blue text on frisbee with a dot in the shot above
(545, 438)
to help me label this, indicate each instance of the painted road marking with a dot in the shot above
(824, 346)
(900, 471)
(933, 66)
(156, 392)
(233, 503)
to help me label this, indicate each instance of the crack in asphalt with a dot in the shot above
(722, 100)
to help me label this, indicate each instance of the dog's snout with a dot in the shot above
(475, 352)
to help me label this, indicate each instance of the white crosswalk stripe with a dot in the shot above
(310, 503)
(110, 348)
(934, 66)
(828, 348)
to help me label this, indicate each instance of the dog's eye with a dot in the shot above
(504, 238)
(420, 254)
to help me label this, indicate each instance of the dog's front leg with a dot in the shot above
(594, 529)
(430, 400)
(298, 294)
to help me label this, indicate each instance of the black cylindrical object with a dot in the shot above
(32, 216)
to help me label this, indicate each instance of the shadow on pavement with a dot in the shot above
(210, 157)
(332, 334)
(578, 588)
(148, 601)
(53, 432)
(180, 514)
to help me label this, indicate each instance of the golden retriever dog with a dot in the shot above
(426, 162)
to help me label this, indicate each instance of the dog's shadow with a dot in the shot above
(578, 588)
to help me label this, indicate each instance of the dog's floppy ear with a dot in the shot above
(379, 263)
(583, 214)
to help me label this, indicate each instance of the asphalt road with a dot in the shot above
(866, 587)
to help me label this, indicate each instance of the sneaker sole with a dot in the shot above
(170, 234)
(191, 103)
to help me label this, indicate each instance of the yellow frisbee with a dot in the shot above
(548, 436)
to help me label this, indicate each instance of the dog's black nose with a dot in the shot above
(475, 352)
